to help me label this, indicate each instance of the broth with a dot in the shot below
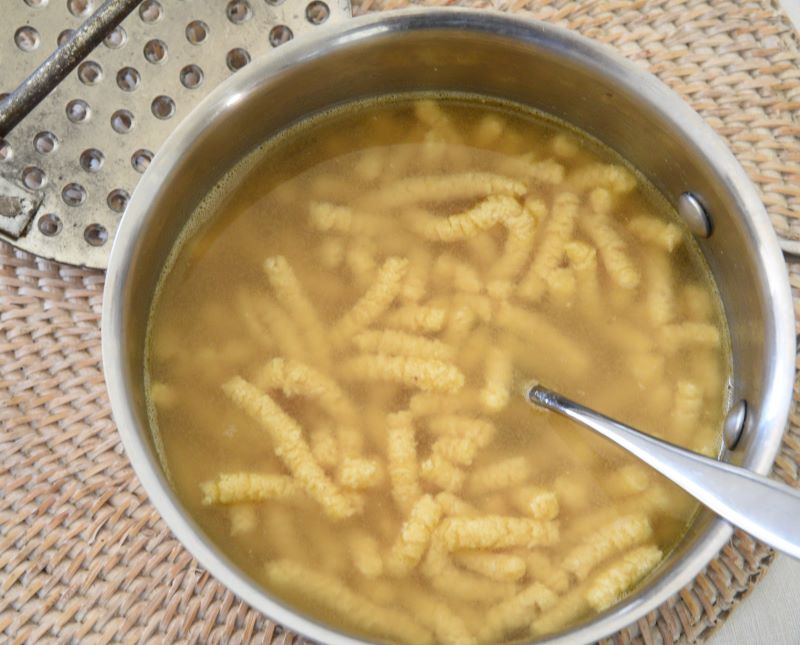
(339, 345)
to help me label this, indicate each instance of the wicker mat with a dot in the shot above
(83, 555)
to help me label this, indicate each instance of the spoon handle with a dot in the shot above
(765, 509)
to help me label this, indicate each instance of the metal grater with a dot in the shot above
(68, 169)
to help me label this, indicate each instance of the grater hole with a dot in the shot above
(6, 151)
(92, 159)
(280, 34)
(128, 79)
(78, 111)
(151, 11)
(238, 11)
(95, 234)
(196, 32)
(275, 3)
(317, 12)
(237, 58)
(64, 36)
(116, 38)
(45, 142)
(90, 72)
(36, 4)
(155, 51)
(27, 39)
(73, 194)
(191, 76)
(79, 8)
(141, 159)
(117, 200)
(122, 121)
(33, 178)
(49, 224)
(163, 107)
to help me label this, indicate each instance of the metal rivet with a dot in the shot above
(116, 38)
(237, 58)
(155, 51)
(73, 194)
(238, 11)
(45, 142)
(49, 224)
(151, 11)
(163, 107)
(90, 72)
(117, 200)
(91, 159)
(141, 160)
(78, 111)
(95, 234)
(6, 151)
(196, 32)
(734, 424)
(695, 215)
(317, 12)
(27, 38)
(128, 79)
(279, 35)
(191, 76)
(122, 121)
(64, 36)
(33, 178)
(79, 8)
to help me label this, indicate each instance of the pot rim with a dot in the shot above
(259, 72)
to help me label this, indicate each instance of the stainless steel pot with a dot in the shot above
(528, 62)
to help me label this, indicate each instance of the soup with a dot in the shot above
(339, 347)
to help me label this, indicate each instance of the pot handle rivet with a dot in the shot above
(734, 424)
(695, 215)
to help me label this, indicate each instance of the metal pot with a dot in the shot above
(486, 53)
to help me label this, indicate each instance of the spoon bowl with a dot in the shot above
(763, 508)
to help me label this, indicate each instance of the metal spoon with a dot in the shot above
(765, 509)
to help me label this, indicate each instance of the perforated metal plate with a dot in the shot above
(81, 152)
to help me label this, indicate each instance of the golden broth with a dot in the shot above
(337, 353)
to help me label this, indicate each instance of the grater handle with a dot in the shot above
(61, 62)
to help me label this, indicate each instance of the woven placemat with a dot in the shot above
(84, 557)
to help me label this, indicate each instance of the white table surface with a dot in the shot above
(770, 614)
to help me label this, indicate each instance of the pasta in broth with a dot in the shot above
(337, 349)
